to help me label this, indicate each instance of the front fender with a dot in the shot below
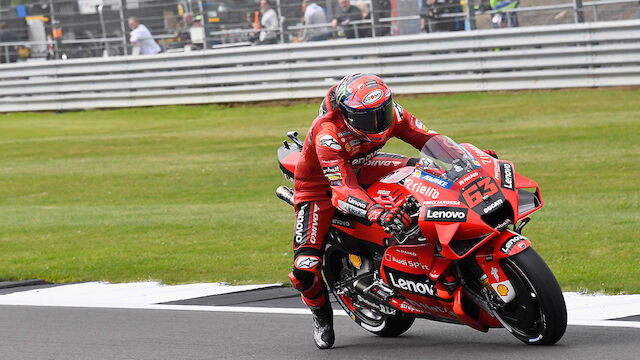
(507, 243)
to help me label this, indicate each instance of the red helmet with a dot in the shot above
(366, 105)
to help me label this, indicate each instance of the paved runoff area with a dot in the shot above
(583, 309)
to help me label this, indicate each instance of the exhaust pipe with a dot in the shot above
(285, 194)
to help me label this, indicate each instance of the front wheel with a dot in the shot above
(337, 269)
(538, 314)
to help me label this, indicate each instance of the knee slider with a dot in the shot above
(306, 268)
(301, 280)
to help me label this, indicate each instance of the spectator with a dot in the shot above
(364, 30)
(141, 37)
(184, 32)
(432, 18)
(345, 14)
(269, 23)
(313, 15)
(8, 53)
(504, 17)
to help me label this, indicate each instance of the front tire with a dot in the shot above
(538, 314)
(337, 268)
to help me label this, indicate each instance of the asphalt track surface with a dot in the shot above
(92, 333)
(43, 332)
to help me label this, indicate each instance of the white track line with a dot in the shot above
(588, 310)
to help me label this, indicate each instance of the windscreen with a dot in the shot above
(444, 158)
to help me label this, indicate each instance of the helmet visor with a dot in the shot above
(372, 121)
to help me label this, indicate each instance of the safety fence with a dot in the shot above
(559, 56)
(71, 29)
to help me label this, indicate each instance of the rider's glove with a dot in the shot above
(491, 153)
(392, 220)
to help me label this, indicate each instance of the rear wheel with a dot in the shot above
(337, 269)
(538, 314)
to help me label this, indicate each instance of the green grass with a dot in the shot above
(186, 194)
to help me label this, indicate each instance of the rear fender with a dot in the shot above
(288, 159)
(289, 154)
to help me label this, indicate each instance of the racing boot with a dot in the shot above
(323, 333)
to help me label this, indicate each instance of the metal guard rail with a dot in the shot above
(559, 56)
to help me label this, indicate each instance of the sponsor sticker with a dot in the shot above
(411, 263)
(341, 222)
(330, 142)
(468, 178)
(417, 307)
(328, 162)
(314, 224)
(506, 175)
(378, 138)
(441, 203)
(355, 260)
(376, 162)
(357, 202)
(372, 97)
(301, 219)
(406, 252)
(494, 272)
(494, 205)
(420, 125)
(399, 112)
(485, 159)
(363, 158)
(307, 262)
(445, 214)
(432, 179)
(503, 290)
(306, 228)
(330, 169)
(421, 188)
(352, 209)
(510, 243)
(417, 284)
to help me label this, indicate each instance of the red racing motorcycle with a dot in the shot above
(463, 260)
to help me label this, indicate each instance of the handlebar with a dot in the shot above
(411, 206)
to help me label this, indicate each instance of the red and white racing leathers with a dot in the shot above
(333, 164)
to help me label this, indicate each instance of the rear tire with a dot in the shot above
(336, 267)
(396, 325)
(538, 314)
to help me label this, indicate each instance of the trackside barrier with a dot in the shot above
(548, 57)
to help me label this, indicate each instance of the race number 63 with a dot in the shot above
(474, 194)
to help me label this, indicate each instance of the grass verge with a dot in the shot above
(186, 194)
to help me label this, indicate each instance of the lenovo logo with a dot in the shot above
(448, 214)
(507, 177)
(411, 285)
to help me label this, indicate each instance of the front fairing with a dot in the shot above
(458, 186)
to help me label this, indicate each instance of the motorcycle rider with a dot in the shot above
(340, 152)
